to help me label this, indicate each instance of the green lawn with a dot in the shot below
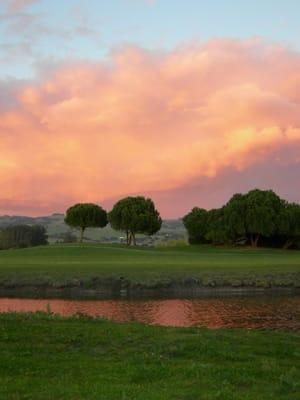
(46, 357)
(58, 263)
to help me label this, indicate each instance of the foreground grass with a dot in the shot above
(47, 357)
(57, 264)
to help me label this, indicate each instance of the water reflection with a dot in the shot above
(250, 312)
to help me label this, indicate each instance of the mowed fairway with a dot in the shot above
(143, 264)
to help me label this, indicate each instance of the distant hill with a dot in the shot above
(56, 228)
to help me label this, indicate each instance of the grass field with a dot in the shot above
(46, 357)
(59, 264)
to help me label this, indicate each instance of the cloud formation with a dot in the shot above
(19, 5)
(144, 122)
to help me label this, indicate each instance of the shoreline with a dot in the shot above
(111, 292)
(118, 272)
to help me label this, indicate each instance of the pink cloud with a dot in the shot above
(144, 122)
(19, 5)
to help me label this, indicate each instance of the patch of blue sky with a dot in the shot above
(67, 29)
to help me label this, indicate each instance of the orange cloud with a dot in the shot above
(146, 121)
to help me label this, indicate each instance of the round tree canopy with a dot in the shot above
(135, 215)
(86, 215)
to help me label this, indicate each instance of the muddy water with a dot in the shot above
(236, 312)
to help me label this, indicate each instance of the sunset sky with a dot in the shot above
(184, 101)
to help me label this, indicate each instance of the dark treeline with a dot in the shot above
(257, 218)
(18, 236)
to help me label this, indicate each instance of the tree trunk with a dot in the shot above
(287, 244)
(254, 240)
(81, 234)
(127, 238)
(133, 238)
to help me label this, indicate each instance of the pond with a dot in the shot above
(257, 312)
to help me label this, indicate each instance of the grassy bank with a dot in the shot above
(47, 357)
(91, 266)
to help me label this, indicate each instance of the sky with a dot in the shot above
(186, 102)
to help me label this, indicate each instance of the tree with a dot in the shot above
(263, 208)
(86, 215)
(289, 224)
(17, 236)
(235, 218)
(196, 224)
(253, 215)
(135, 215)
(257, 216)
(217, 231)
(38, 235)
